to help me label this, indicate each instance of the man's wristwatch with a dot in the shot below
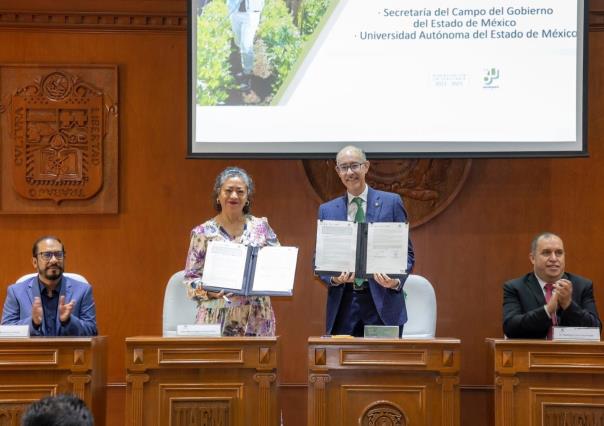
(399, 286)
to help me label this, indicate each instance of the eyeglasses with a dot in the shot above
(47, 255)
(343, 168)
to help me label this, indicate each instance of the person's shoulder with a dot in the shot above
(519, 281)
(209, 227)
(255, 222)
(333, 202)
(578, 279)
(20, 285)
(75, 282)
(385, 194)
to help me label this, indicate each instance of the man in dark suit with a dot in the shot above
(548, 296)
(50, 303)
(378, 301)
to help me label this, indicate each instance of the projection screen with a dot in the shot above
(438, 78)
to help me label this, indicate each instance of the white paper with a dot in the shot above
(224, 265)
(576, 333)
(275, 269)
(336, 246)
(387, 247)
(12, 331)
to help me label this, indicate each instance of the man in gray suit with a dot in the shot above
(548, 296)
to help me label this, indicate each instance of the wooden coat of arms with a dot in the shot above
(58, 124)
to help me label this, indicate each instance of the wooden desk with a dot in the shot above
(37, 367)
(190, 381)
(540, 382)
(377, 381)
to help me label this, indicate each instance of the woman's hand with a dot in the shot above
(219, 295)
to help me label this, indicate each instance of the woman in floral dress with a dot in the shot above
(240, 315)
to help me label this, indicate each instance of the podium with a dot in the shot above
(181, 381)
(541, 382)
(355, 381)
(34, 368)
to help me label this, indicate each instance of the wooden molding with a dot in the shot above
(596, 20)
(102, 21)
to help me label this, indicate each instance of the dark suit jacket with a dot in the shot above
(381, 207)
(20, 297)
(525, 317)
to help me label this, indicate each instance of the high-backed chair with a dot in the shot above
(71, 275)
(421, 308)
(178, 308)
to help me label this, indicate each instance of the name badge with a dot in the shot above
(199, 330)
(576, 333)
(12, 331)
(381, 331)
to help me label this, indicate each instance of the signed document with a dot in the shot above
(275, 270)
(336, 248)
(387, 248)
(362, 248)
(245, 270)
(224, 266)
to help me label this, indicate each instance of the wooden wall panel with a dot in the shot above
(467, 251)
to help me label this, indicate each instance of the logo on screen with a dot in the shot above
(490, 78)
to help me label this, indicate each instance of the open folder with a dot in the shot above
(362, 248)
(246, 270)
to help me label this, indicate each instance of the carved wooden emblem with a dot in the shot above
(200, 413)
(57, 126)
(383, 413)
(59, 139)
(573, 415)
(427, 186)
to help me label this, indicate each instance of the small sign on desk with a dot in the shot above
(576, 333)
(199, 330)
(381, 331)
(13, 331)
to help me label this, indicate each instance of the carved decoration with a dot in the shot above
(264, 380)
(448, 357)
(138, 356)
(568, 415)
(427, 186)
(507, 359)
(450, 399)
(103, 21)
(135, 415)
(200, 413)
(320, 356)
(264, 355)
(383, 413)
(78, 382)
(57, 130)
(10, 413)
(505, 392)
(79, 357)
(59, 139)
(318, 403)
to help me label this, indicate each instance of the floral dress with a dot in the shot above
(241, 316)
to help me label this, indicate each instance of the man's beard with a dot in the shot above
(55, 274)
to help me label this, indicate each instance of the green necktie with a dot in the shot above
(359, 217)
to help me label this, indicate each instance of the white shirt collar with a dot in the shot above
(362, 195)
(541, 282)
